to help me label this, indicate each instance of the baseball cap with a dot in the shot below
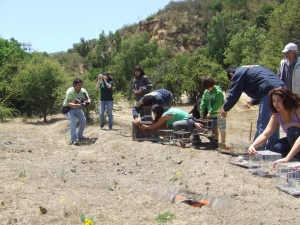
(290, 47)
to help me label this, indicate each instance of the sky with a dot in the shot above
(55, 25)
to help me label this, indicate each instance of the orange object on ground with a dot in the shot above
(192, 202)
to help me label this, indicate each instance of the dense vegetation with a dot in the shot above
(177, 46)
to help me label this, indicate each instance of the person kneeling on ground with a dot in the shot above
(285, 107)
(175, 119)
(162, 97)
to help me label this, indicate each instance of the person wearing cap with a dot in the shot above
(289, 69)
(256, 81)
(142, 86)
(105, 84)
(161, 97)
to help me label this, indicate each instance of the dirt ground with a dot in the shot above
(115, 180)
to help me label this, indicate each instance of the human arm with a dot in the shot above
(73, 105)
(136, 110)
(160, 121)
(99, 80)
(108, 84)
(295, 149)
(236, 90)
(264, 136)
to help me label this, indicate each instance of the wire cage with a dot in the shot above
(181, 137)
(238, 128)
(288, 178)
(261, 163)
(165, 135)
(207, 130)
(143, 135)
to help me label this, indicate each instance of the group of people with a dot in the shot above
(276, 94)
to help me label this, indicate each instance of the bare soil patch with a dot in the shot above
(114, 179)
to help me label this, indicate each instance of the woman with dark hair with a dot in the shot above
(105, 84)
(175, 119)
(285, 108)
(142, 86)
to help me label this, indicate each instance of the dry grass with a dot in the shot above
(114, 180)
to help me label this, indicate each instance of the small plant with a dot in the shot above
(115, 183)
(73, 170)
(165, 217)
(176, 176)
(192, 153)
(62, 175)
(225, 174)
(207, 184)
(87, 220)
(22, 173)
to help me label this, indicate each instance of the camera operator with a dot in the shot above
(77, 98)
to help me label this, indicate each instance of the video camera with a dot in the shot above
(82, 101)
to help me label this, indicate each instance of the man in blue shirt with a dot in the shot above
(256, 81)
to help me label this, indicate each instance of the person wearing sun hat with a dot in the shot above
(289, 69)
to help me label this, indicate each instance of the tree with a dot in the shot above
(37, 84)
(284, 28)
(220, 31)
(82, 48)
(244, 47)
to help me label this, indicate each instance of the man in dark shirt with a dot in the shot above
(161, 97)
(142, 86)
(256, 81)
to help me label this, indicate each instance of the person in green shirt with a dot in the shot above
(212, 100)
(77, 98)
(175, 119)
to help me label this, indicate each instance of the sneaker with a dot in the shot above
(195, 143)
(101, 128)
(74, 143)
(110, 128)
(82, 138)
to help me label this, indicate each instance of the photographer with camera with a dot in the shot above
(105, 84)
(77, 98)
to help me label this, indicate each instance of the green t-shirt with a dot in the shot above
(178, 115)
(105, 92)
(72, 94)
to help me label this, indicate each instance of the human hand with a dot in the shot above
(143, 126)
(251, 150)
(85, 104)
(283, 160)
(138, 92)
(223, 114)
(136, 121)
(248, 104)
(199, 126)
(295, 166)
(208, 115)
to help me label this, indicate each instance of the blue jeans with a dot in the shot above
(264, 115)
(184, 125)
(72, 115)
(109, 105)
(284, 145)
